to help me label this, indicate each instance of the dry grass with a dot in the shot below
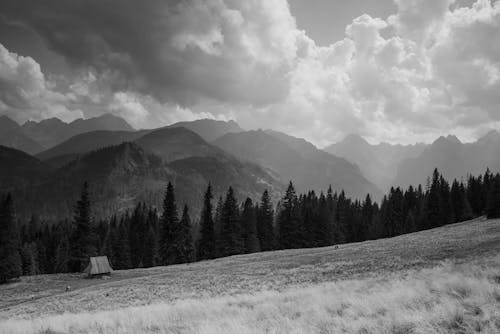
(398, 285)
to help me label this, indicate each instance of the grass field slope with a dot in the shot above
(445, 280)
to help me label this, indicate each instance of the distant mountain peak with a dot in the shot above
(446, 140)
(491, 136)
(354, 139)
(4, 119)
(209, 129)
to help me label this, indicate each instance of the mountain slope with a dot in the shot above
(373, 284)
(19, 169)
(121, 176)
(453, 159)
(90, 141)
(13, 135)
(378, 163)
(176, 143)
(53, 131)
(299, 161)
(209, 129)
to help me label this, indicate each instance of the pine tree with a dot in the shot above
(445, 206)
(342, 218)
(433, 218)
(231, 241)
(169, 221)
(10, 257)
(367, 214)
(122, 246)
(289, 220)
(206, 242)
(81, 239)
(137, 235)
(265, 220)
(249, 224)
(62, 256)
(493, 207)
(327, 222)
(181, 249)
(29, 259)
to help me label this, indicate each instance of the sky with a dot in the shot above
(400, 71)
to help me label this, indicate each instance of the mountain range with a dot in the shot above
(122, 175)
(389, 165)
(452, 158)
(125, 166)
(294, 159)
(33, 137)
(379, 163)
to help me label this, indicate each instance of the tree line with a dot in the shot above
(145, 237)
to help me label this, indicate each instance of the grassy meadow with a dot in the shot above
(445, 280)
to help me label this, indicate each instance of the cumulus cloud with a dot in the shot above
(26, 94)
(433, 67)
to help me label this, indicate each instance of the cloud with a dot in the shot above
(432, 67)
(176, 50)
(25, 93)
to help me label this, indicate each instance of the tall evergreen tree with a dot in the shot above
(62, 258)
(265, 221)
(181, 249)
(137, 235)
(81, 238)
(10, 242)
(249, 225)
(169, 222)
(29, 259)
(206, 243)
(433, 203)
(445, 206)
(123, 250)
(289, 220)
(231, 241)
(493, 208)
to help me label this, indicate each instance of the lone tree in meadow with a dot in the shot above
(81, 238)
(206, 242)
(493, 208)
(10, 258)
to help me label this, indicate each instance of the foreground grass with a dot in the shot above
(448, 298)
(444, 280)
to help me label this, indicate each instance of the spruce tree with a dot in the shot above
(231, 241)
(81, 239)
(367, 214)
(265, 221)
(62, 256)
(249, 224)
(445, 206)
(323, 232)
(122, 246)
(10, 243)
(138, 233)
(29, 259)
(169, 222)
(183, 240)
(433, 203)
(206, 243)
(289, 220)
(493, 207)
